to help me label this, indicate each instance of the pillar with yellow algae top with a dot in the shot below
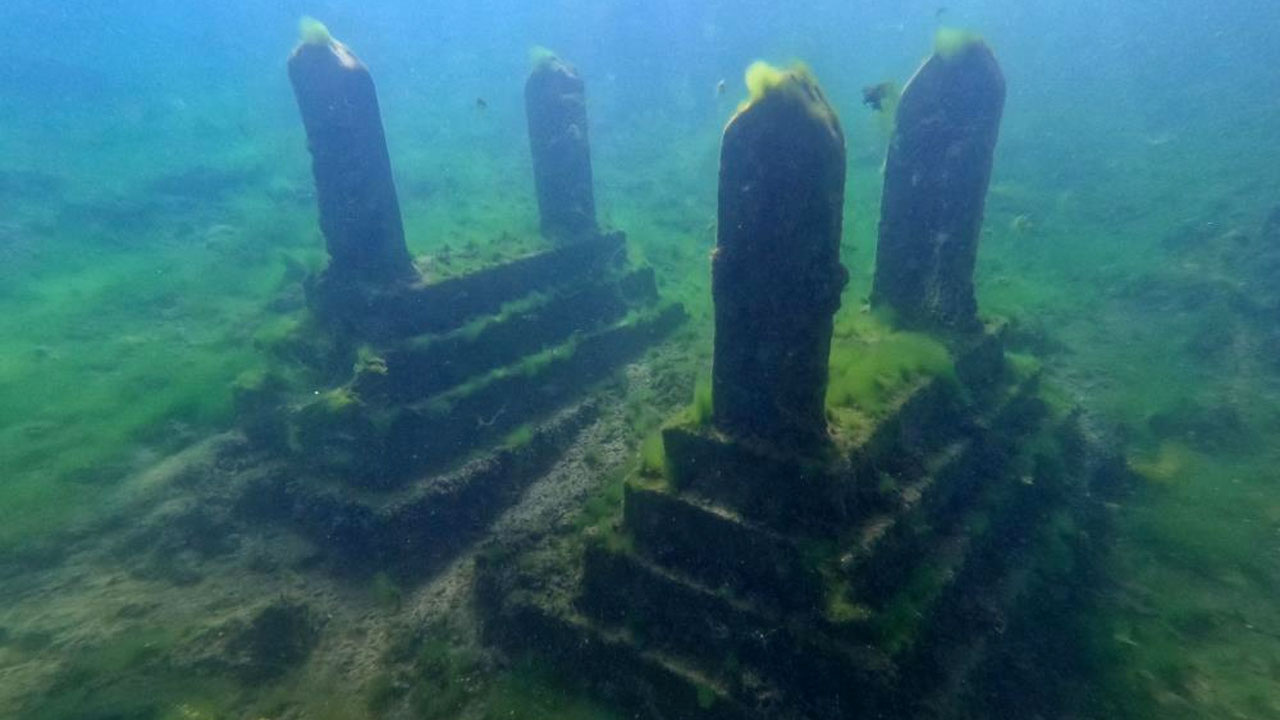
(776, 272)
(935, 186)
(556, 108)
(359, 211)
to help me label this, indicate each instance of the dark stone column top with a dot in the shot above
(359, 211)
(935, 186)
(556, 109)
(776, 272)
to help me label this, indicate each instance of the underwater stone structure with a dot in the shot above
(415, 410)
(935, 185)
(359, 211)
(776, 272)
(882, 573)
(878, 580)
(556, 107)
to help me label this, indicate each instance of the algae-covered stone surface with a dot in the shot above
(776, 272)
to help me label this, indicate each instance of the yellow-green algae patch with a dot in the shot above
(313, 32)
(950, 42)
(539, 56)
(1169, 462)
(872, 364)
(796, 83)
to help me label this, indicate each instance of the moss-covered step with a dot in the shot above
(848, 659)
(402, 311)
(651, 680)
(881, 551)
(427, 365)
(816, 495)
(685, 563)
(980, 548)
(884, 606)
(1019, 541)
(413, 530)
(530, 617)
(908, 659)
(731, 640)
(380, 444)
(828, 493)
(719, 549)
(920, 647)
(712, 545)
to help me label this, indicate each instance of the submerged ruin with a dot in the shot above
(353, 399)
(556, 109)
(439, 400)
(778, 559)
(780, 565)
(776, 272)
(935, 187)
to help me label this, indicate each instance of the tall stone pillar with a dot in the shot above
(359, 212)
(776, 272)
(556, 106)
(935, 187)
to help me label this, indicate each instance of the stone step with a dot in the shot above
(709, 540)
(790, 495)
(378, 443)
(613, 664)
(429, 435)
(934, 411)
(415, 529)
(995, 577)
(432, 364)
(729, 640)
(946, 597)
(716, 547)
(778, 492)
(720, 550)
(887, 546)
(883, 551)
(447, 305)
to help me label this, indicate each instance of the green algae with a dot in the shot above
(126, 676)
(872, 364)
(77, 409)
(653, 455)
(531, 692)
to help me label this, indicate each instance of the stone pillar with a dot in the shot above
(556, 106)
(935, 187)
(776, 272)
(359, 212)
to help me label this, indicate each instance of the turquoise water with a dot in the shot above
(158, 219)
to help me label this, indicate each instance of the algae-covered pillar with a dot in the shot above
(776, 272)
(556, 106)
(359, 212)
(935, 186)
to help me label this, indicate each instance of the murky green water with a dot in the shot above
(159, 219)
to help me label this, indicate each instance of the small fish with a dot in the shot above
(942, 10)
(875, 96)
(481, 104)
(720, 88)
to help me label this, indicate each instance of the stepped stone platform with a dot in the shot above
(433, 432)
(748, 583)
(412, 411)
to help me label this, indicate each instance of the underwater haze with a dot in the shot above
(159, 245)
